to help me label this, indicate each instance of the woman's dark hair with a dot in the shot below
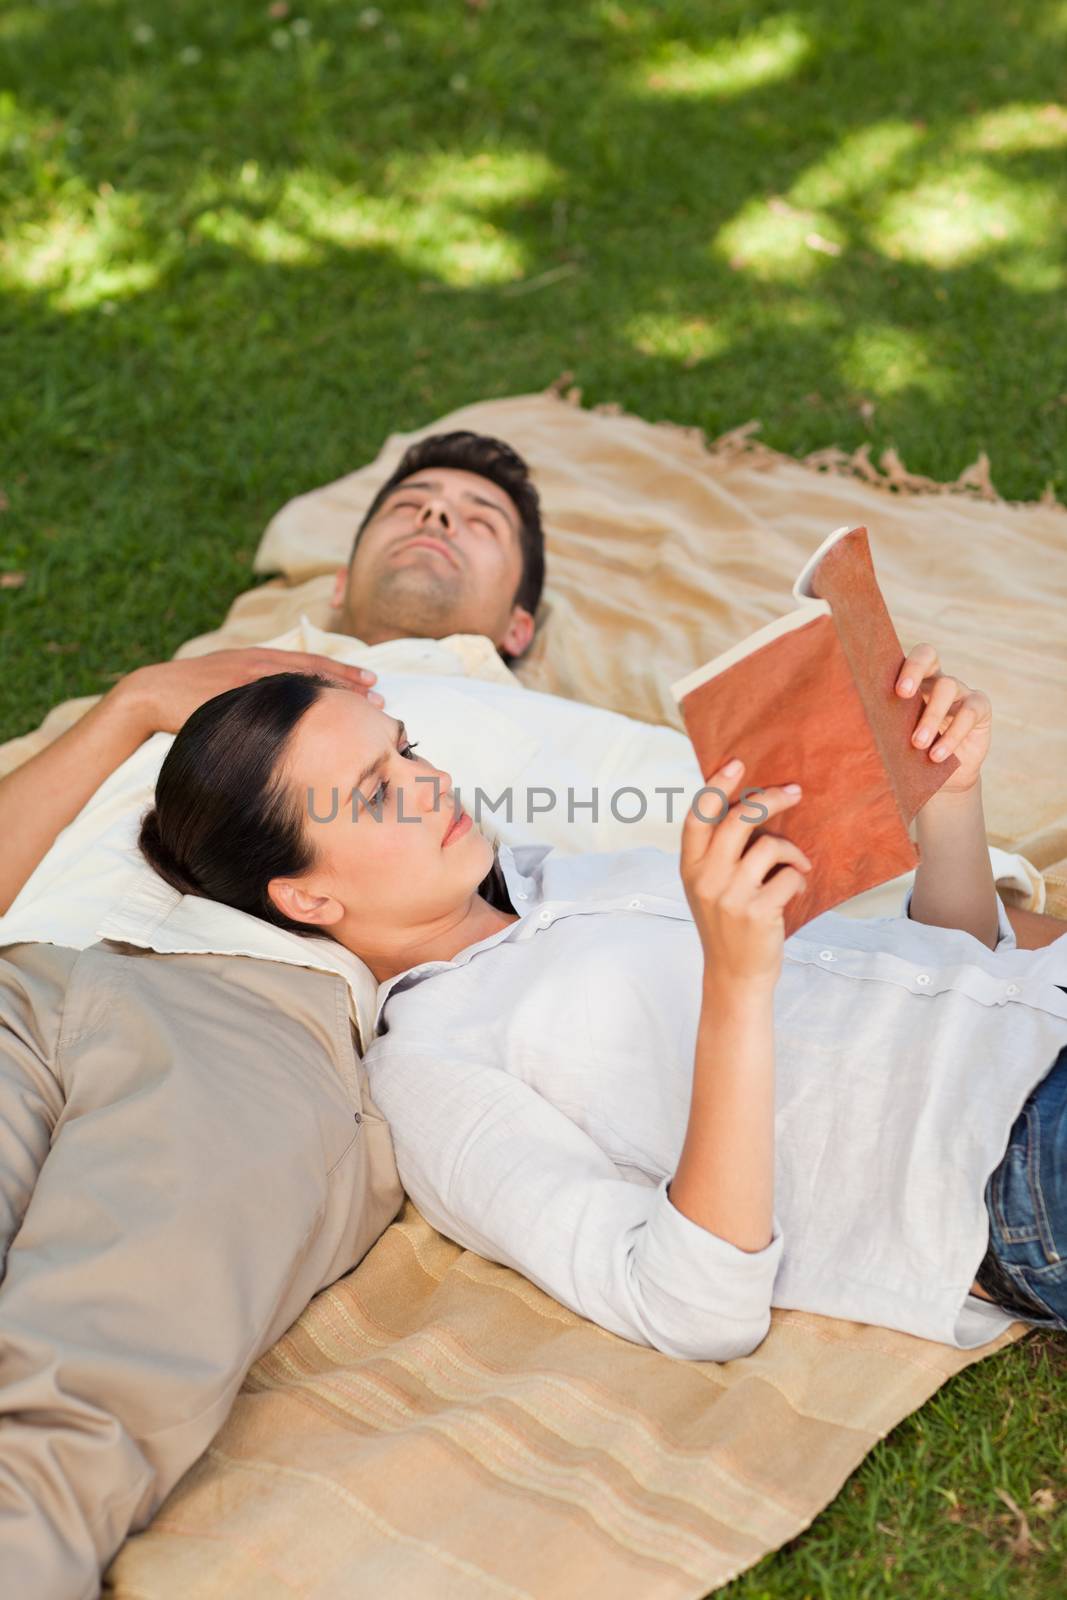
(224, 824)
(496, 461)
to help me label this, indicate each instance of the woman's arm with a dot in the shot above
(725, 1176)
(41, 797)
(954, 886)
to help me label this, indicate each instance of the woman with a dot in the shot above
(613, 1073)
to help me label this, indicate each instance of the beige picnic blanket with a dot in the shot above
(433, 1425)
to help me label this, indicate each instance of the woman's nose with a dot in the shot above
(436, 795)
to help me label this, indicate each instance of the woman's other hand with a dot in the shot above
(165, 695)
(956, 720)
(737, 908)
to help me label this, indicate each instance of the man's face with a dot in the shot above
(442, 555)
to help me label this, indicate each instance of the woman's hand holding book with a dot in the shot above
(957, 721)
(734, 892)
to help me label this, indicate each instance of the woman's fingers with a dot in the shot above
(944, 694)
(699, 824)
(779, 890)
(766, 852)
(922, 662)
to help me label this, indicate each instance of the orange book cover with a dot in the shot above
(810, 699)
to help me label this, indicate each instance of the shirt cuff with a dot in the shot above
(723, 1311)
(1006, 939)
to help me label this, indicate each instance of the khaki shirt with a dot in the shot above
(188, 1153)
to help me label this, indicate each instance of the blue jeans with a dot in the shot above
(1025, 1268)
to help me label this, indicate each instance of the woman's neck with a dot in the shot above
(480, 922)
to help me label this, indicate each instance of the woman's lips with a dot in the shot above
(457, 828)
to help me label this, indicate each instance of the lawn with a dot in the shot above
(241, 243)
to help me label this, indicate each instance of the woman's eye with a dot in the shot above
(378, 797)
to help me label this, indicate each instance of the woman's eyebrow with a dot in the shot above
(379, 761)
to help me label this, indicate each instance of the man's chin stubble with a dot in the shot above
(419, 603)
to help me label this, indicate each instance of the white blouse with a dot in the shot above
(538, 1088)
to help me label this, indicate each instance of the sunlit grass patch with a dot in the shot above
(956, 217)
(883, 359)
(769, 53)
(869, 158)
(776, 241)
(679, 338)
(1015, 129)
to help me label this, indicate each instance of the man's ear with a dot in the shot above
(340, 588)
(318, 910)
(520, 631)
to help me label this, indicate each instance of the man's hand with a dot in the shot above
(162, 697)
(41, 797)
(963, 717)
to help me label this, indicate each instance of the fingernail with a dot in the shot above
(905, 685)
(368, 676)
(939, 755)
(376, 699)
(731, 767)
(923, 736)
(791, 788)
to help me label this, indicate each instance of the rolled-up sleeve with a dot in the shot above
(496, 1167)
(1005, 932)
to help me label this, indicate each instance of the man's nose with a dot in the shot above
(435, 513)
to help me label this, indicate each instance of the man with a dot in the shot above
(170, 1198)
(451, 543)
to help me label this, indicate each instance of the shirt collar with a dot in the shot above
(156, 917)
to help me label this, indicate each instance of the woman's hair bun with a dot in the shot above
(157, 855)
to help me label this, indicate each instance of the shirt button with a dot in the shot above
(826, 955)
(635, 905)
(545, 916)
(1013, 988)
(922, 977)
(522, 895)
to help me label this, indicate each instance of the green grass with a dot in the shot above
(239, 249)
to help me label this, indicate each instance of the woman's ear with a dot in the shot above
(296, 903)
(340, 588)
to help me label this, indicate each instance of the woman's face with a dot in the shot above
(376, 815)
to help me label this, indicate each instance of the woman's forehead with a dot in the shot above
(343, 724)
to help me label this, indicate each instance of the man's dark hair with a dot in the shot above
(496, 461)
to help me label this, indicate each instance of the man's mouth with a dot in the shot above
(431, 544)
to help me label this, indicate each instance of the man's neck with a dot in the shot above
(369, 632)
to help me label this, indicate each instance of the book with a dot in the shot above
(810, 699)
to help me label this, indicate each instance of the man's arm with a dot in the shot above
(41, 797)
(954, 886)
